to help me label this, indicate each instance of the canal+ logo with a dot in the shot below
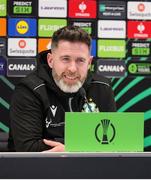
(22, 27)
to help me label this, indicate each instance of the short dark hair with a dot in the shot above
(71, 34)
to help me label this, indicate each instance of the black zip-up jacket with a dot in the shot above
(38, 107)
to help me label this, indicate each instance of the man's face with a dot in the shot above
(69, 62)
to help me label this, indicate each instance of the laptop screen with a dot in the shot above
(104, 132)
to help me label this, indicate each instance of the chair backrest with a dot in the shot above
(3, 142)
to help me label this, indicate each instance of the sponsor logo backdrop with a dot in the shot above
(121, 46)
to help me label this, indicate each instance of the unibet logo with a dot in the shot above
(132, 68)
(140, 68)
(22, 27)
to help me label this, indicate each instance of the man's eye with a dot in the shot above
(81, 60)
(65, 59)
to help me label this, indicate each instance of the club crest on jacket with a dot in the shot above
(92, 105)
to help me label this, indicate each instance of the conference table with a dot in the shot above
(70, 165)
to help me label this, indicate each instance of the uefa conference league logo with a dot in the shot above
(105, 132)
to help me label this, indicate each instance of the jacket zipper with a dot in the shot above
(70, 106)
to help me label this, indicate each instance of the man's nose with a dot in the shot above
(72, 67)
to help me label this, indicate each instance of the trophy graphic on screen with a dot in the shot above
(105, 131)
(105, 126)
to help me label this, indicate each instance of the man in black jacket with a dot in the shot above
(60, 84)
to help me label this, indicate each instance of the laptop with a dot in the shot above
(104, 132)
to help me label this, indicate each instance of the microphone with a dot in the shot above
(83, 94)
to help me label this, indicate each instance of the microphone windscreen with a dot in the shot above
(82, 92)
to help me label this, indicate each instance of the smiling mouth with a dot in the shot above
(70, 77)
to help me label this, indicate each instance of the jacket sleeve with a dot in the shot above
(26, 121)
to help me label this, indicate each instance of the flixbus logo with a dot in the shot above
(111, 48)
(48, 26)
(2, 7)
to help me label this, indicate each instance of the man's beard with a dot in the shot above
(64, 86)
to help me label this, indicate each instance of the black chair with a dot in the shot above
(3, 142)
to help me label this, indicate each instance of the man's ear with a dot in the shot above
(90, 61)
(49, 60)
